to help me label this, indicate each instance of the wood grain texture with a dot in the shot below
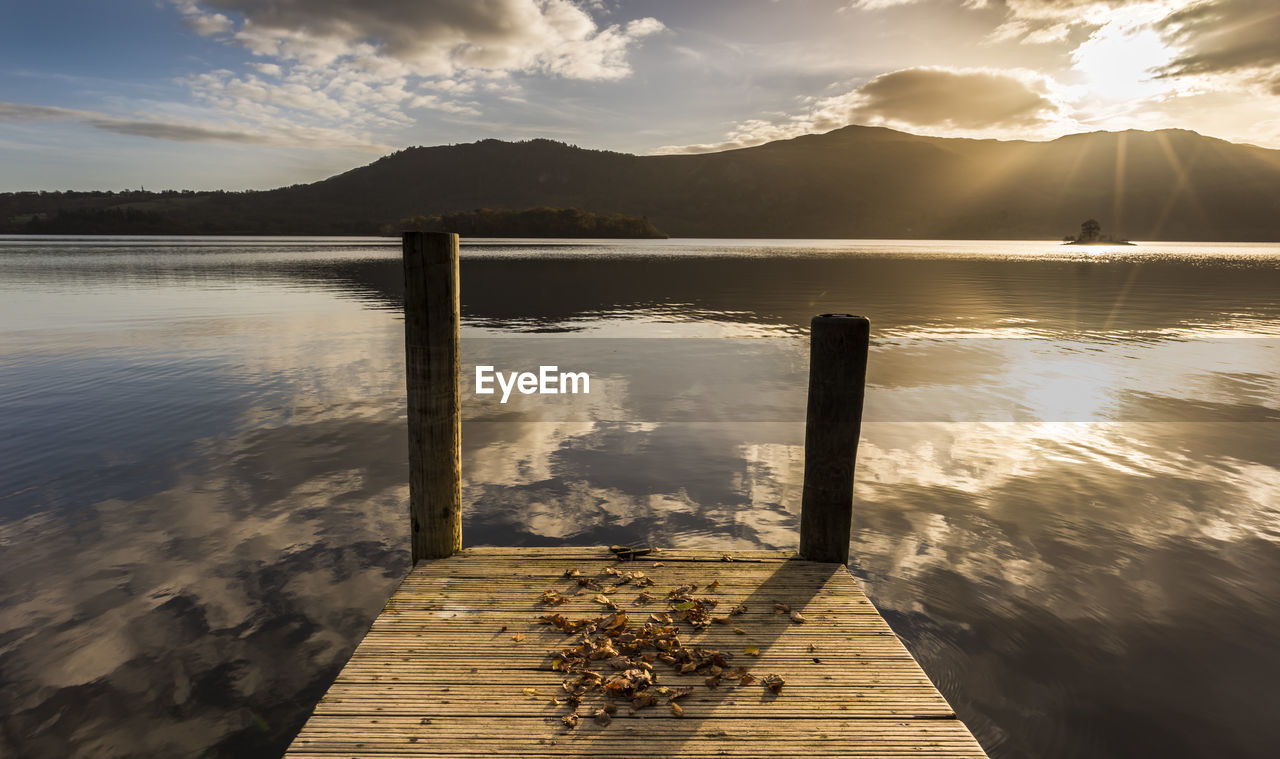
(432, 316)
(440, 673)
(837, 380)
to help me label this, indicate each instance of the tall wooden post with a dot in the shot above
(431, 319)
(837, 380)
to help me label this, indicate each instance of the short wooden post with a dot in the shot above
(837, 379)
(431, 319)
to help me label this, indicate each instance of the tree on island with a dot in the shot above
(1091, 234)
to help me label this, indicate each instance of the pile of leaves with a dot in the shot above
(620, 657)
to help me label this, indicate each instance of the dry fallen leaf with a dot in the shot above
(682, 592)
(602, 600)
(739, 609)
(781, 608)
(812, 648)
(796, 616)
(773, 682)
(739, 631)
(714, 584)
(657, 564)
(676, 710)
(553, 598)
(642, 700)
(644, 597)
(618, 660)
(726, 557)
(530, 691)
(518, 637)
(721, 620)
(572, 573)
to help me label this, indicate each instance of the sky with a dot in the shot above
(248, 94)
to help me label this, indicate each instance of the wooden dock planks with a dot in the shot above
(437, 675)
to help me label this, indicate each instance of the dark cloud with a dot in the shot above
(932, 100)
(1211, 36)
(19, 112)
(12, 112)
(1224, 36)
(285, 135)
(936, 97)
(180, 132)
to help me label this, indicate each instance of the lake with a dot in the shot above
(1067, 499)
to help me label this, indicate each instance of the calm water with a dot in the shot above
(1068, 497)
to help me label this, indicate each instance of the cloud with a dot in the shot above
(269, 69)
(956, 99)
(1210, 37)
(179, 132)
(1028, 33)
(949, 102)
(1152, 50)
(204, 24)
(1211, 44)
(875, 5)
(1224, 37)
(209, 24)
(376, 65)
(18, 112)
(283, 135)
(436, 37)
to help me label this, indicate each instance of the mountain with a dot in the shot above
(852, 182)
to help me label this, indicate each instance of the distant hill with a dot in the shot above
(852, 182)
(534, 222)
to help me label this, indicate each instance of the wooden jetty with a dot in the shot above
(463, 662)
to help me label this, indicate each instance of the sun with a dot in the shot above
(1119, 61)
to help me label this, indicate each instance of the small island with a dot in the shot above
(1091, 234)
(534, 222)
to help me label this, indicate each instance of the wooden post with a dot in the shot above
(431, 318)
(837, 379)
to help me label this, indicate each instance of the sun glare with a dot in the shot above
(1118, 61)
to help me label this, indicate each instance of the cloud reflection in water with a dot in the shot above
(1066, 501)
